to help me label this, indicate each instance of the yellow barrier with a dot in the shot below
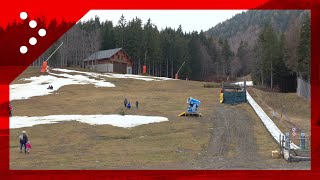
(221, 97)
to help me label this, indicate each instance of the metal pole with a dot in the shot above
(54, 52)
(167, 67)
(222, 86)
(303, 141)
(280, 144)
(180, 67)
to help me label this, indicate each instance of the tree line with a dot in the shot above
(281, 58)
(162, 51)
(274, 57)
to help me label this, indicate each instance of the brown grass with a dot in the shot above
(73, 145)
(264, 140)
(296, 108)
(165, 145)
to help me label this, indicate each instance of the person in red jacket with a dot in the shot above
(10, 110)
(28, 146)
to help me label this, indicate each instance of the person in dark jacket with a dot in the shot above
(125, 102)
(50, 87)
(23, 141)
(137, 105)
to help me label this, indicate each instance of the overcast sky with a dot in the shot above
(190, 20)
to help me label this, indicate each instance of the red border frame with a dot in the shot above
(12, 63)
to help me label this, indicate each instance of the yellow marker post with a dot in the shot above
(221, 97)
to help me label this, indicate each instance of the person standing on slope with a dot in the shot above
(10, 110)
(125, 102)
(28, 146)
(23, 141)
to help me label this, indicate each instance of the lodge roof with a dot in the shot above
(105, 54)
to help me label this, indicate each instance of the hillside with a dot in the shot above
(226, 137)
(247, 25)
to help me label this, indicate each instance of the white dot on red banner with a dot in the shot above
(23, 49)
(33, 24)
(42, 32)
(33, 41)
(23, 15)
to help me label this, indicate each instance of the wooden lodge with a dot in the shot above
(112, 61)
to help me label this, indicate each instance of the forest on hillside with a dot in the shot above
(274, 55)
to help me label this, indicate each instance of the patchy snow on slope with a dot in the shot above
(164, 78)
(127, 121)
(86, 80)
(79, 72)
(131, 76)
(113, 75)
(38, 85)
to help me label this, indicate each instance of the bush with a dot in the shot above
(144, 74)
(212, 85)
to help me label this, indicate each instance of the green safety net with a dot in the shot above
(234, 97)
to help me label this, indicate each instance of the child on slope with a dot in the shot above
(28, 146)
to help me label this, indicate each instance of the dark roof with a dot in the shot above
(103, 54)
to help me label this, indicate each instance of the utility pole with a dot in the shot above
(139, 67)
(271, 76)
(167, 68)
(145, 57)
(172, 68)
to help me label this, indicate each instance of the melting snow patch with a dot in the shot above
(126, 121)
(248, 83)
(38, 85)
(145, 78)
(79, 72)
(112, 75)
(86, 80)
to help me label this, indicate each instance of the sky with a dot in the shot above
(190, 20)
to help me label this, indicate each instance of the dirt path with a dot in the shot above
(232, 142)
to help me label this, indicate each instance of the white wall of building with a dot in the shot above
(102, 67)
(107, 68)
(129, 70)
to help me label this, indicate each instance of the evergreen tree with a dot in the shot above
(244, 58)
(135, 43)
(226, 58)
(303, 52)
(121, 32)
(108, 36)
(195, 56)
